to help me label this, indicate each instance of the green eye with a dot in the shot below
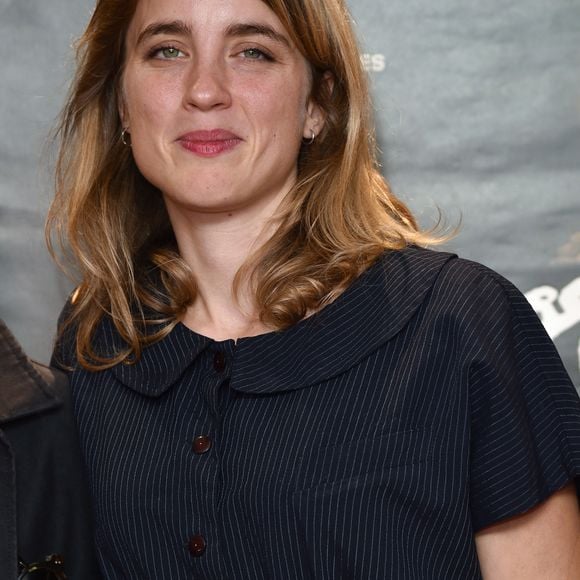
(253, 53)
(170, 52)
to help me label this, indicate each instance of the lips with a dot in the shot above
(209, 143)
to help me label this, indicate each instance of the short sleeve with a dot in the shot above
(525, 411)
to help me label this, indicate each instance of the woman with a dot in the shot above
(270, 376)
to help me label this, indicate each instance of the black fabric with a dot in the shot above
(44, 504)
(371, 440)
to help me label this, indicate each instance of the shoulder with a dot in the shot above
(447, 280)
(450, 268)
(97, 337)
(414, 261)
(477, 292)
(63, 354)
(457, 298)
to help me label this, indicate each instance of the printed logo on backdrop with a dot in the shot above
(373, 62)
(559, 308)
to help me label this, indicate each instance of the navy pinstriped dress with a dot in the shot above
(369, 441)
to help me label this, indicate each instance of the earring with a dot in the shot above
(126, 137)
(311, 140)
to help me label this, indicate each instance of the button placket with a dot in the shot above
(201, 444)
(197, 545)
(219, 361)
(217, 389)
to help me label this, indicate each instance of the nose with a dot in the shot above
(207, 86)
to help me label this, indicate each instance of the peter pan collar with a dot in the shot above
(371, 311)
(160, 365)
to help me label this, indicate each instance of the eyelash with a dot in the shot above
(157, 51)
(260, 54)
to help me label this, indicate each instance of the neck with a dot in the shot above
(215, 246)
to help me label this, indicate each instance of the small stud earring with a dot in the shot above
(126, 137)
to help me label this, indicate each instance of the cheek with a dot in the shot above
(150, 104)
(277, 109)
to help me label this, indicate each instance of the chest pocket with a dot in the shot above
(360, 497)
(358, 458)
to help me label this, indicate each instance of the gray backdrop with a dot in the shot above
(478, 113)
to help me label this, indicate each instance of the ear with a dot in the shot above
(315, 115)
(122, 108)
(314, 121)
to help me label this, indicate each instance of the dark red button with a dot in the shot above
(197, 545)
(201, 444)
(219, 361)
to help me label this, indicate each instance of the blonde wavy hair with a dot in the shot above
(111, 223)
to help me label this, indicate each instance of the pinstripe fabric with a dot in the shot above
(369, 441)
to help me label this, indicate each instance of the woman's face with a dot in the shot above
(216, 99)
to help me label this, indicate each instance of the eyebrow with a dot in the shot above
(181, 28)
(254, 28)
(177, 27)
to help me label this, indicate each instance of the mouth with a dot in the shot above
(209, 143)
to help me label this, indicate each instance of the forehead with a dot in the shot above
(206, 15)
